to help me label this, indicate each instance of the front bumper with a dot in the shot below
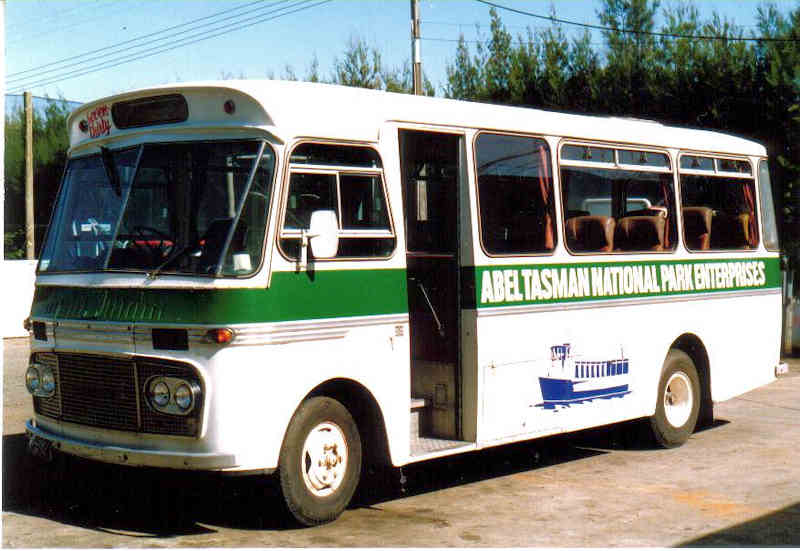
(133, 456)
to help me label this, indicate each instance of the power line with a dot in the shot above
(542, 28)
(154, 49)
(645, 33)
(38, 21)
(43, 98)
(14, 76)
(167, 47)
(98, 13)
(473, 25)
(456, 40)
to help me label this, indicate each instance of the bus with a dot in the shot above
(297, 280)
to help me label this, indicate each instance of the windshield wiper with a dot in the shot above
(191, 250)
(111, 170)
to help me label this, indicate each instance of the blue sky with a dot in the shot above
(42, 32)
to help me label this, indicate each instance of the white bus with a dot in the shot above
(292, 278)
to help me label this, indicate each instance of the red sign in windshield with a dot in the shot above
(99, 121)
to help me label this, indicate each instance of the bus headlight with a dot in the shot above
(185, 395)
(33, 379)
(47, 381)
(159, 393)
(173, 395)
(40, 380)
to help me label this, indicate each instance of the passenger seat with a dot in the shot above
(640, 233)
(590, 233)
(697, 227)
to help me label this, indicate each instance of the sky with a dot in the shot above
(46, 39)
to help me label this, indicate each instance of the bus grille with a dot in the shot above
(101, 391)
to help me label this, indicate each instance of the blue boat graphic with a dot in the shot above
(572, 381)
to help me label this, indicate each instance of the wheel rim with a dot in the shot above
(324, 459)
(678, 399)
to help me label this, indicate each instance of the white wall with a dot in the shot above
(17, 277)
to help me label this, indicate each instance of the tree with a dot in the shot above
(628, 79)
(50, 144)
(581, 88)
(497, 71)
(779, 98)
(362, 66)
(465, 79)
(312, 74)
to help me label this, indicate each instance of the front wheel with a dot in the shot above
(678, 403)
(320, 461)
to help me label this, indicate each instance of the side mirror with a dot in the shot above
(323, 233)
(322, 236)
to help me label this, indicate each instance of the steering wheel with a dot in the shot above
(146, 233)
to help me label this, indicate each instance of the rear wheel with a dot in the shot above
(678, 403)
(320, 461)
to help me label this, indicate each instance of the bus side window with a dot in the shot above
(364, 210)
(718, 208)
(617, 200)
(309, 193)
(515, 194)
(359, 201)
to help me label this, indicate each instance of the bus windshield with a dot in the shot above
(189, 208)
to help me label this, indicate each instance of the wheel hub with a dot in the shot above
(324, 459)
(678, 399)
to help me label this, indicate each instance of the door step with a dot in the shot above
(426, 445)
(418, 407)
(422, 446)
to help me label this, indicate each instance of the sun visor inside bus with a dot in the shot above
(150, 111)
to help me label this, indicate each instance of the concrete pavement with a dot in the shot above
(736, 483)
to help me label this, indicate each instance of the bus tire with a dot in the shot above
(678, 402)
(320, 461)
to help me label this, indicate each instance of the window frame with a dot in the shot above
(336, 170)
(478, 199)
(762, 206)
(264, 144)
(616, 165)
(716, 173)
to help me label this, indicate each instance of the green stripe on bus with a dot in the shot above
(291, 296)
(575, 282)
(350, 293)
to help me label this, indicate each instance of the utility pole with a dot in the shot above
(416, 56)
(29, 227)
(3, 115)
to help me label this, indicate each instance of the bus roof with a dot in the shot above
(292, 109)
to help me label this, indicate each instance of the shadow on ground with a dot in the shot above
(160, 503)
(781, 528)
(134, 501)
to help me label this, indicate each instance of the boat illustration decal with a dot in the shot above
(571, 380)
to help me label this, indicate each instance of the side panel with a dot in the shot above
(258, 388)
(560, 357)
(306, 328)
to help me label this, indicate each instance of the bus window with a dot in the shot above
(767, 208)
(718, 204)
(620, 201)
(309, 193)
(82, 228)
(245, 250)
(515, 194)
(339, 179)
(322, 154)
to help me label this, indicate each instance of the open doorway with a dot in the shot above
(431, 174)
